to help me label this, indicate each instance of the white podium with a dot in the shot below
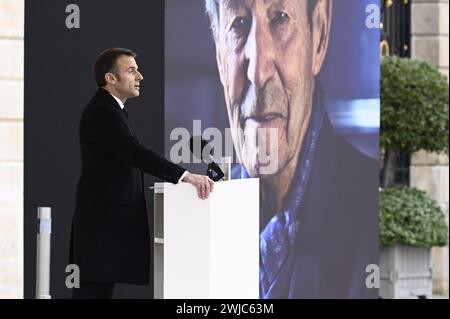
(207, 248)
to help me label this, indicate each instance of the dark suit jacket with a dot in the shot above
(338, 225)
(338, 231)
(110, 239)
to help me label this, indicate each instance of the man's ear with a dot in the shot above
(110, 78)
(215, 33)
(213, 24)
(220, 65)
(321, 26)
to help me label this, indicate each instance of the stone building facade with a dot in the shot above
(429, 172)
(11, 147)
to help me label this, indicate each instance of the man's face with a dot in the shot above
(127, 77)
(265, 59)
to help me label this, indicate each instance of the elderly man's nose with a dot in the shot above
(259, 53)
(140, 77)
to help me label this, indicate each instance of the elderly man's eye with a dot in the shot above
(280, 18)
(240, 25)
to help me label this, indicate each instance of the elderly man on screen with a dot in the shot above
(318, 211)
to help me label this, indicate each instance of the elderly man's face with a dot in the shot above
(266, 63)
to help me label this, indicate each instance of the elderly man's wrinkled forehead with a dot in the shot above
(212, 6)
(233, 4)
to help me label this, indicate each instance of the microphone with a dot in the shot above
(202, 150)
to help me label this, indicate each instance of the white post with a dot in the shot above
(226, 167)
(43, 253)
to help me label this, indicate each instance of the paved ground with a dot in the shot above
(440, 297)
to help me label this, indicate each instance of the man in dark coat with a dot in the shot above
(110, 239)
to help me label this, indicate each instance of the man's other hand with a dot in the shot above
(203, 184)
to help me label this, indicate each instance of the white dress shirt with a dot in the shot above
(118, 100)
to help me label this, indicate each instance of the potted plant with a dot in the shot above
(414, 116)
(410, 224)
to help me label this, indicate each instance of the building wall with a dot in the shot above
(430, 171)
(430, 32)
(11, 147)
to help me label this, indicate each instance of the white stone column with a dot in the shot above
(429, 30)
(11, 147)
(429, 172)
(430, 23)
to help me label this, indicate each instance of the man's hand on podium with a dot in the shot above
(203, 184)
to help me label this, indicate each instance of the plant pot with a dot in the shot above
(405, 272)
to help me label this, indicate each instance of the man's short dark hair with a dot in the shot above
(212, 10)
(106, 63)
